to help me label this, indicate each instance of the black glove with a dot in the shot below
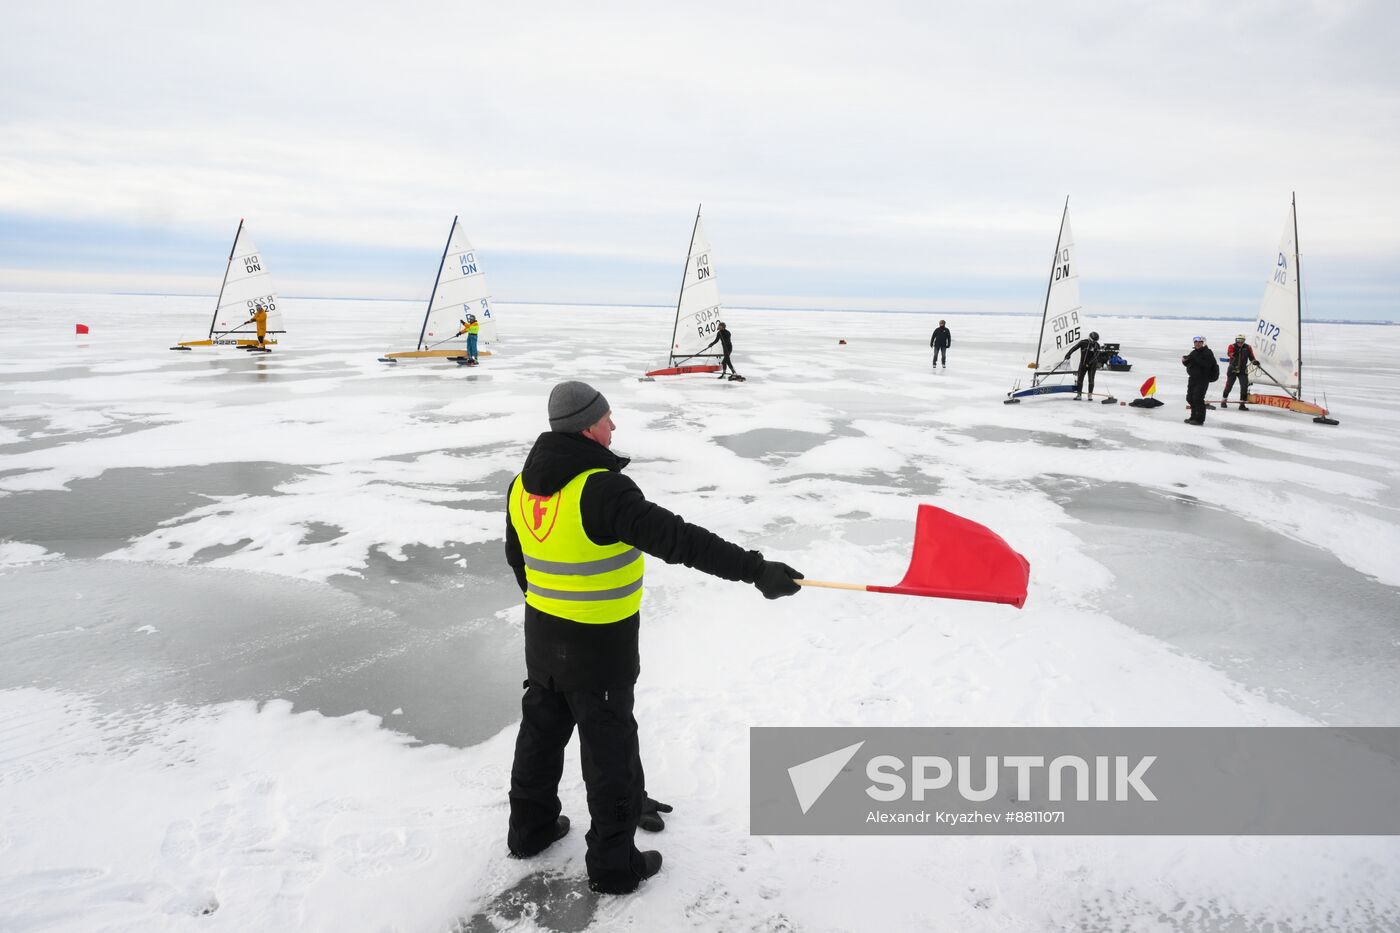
(651, 820)
(777, 579)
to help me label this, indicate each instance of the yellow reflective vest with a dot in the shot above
(566, 574)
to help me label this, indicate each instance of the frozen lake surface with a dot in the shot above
(262, 655)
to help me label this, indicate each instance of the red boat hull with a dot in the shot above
(682, 370)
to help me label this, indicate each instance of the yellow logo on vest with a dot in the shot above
(538, 513)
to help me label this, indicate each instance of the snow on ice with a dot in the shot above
(202, 642)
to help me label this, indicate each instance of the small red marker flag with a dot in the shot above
(82, 328)
(1149, 388)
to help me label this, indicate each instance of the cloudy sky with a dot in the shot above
(876, 155)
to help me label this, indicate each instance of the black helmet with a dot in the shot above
(1093, 335)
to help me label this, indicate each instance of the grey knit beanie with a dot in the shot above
(575, 407)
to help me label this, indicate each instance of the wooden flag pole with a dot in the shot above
(831, 586)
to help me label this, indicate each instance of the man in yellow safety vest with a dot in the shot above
(576, 533)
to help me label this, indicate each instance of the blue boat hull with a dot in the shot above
(1042, 390)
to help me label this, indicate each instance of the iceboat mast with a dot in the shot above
(233, 247)
(1049, 284)
(1298, 286)
(422, 331)
(680, 296)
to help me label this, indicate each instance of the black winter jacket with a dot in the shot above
(569, 655)
(942, 337)
(1201, 364)
(1088, 353)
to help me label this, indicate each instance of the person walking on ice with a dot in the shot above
(576, 532)
(941, 340)
(726, 342)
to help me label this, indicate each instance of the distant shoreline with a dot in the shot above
(739, 307)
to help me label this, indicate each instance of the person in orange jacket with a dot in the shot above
(260, 319)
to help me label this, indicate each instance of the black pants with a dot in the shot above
(612, 772)
(1079, 380)
(938, 350)
(726, 366)
(1196, 397)
(1230, 384)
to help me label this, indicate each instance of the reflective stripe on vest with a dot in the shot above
(566, 573)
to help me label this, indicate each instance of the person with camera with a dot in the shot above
(1201, 370)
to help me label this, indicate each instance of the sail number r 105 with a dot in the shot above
(1065, 327)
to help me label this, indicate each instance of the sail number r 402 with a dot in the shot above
(707, 321)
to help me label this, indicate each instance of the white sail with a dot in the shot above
(246, 285)
(1063, 324)
(698, 310)
(1278, 333)
(461, 290)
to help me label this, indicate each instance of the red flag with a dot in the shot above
(955, 558)
(1149, 387)
(82, 328)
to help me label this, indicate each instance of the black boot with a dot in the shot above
(561, 829)
(644, 866)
